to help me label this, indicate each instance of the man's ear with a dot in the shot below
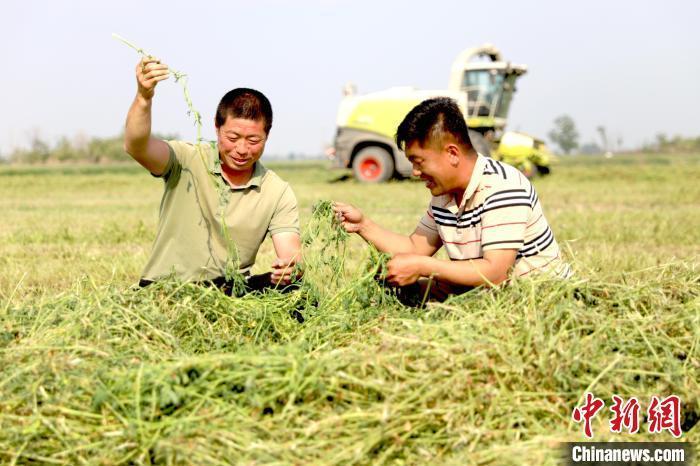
(453, 154)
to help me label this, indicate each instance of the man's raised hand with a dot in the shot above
(149, 72)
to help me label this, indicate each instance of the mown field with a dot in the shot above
(95, 371)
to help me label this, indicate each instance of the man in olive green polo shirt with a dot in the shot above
(219, 200)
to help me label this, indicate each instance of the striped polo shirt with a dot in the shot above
(500, 210)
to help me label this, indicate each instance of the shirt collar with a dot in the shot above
(255, 180)
(475, 179)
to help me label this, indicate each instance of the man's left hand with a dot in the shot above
(404, 269)
(283, 272)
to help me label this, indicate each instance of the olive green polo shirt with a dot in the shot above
(198, 203)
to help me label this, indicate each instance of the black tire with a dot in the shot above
(543, 170)
(373, 164)
(479, 143)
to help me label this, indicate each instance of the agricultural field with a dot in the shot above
(97, 371)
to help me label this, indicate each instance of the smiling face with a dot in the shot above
(436, 166)
(241, 144)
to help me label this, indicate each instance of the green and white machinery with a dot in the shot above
(483, 86)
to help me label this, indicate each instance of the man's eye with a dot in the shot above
(254, 141)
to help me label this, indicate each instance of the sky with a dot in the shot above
(631, 66)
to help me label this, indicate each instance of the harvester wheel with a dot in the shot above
(373, 164)
(480, 143)
(529, 169)
(543, 169)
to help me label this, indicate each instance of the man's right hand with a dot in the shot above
(350, 217)
(149, 72)
(354, 221)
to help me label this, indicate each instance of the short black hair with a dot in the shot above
(430, 120)
(244, 103)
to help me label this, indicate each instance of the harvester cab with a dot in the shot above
(483, 86)
(489, 85)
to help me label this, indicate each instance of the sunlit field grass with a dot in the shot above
(95, 371)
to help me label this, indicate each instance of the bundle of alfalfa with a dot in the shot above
(181, 374)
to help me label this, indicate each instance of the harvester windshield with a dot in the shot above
(489, 92)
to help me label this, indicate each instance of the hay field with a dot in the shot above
(97, 372)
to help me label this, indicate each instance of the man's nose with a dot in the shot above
(416, 172)
(241, 146)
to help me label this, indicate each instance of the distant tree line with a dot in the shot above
(79, 150)
(566, 137)
(110, 150)
(673, 145)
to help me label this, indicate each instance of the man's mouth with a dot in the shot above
(239, 161)
(430, 184)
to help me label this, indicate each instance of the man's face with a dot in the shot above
(432, 166)
(241, 143)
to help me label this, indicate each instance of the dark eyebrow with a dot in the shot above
(238, 135)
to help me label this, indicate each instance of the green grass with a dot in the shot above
(96, 371)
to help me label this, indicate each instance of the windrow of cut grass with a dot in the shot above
(97, 371)
(337, 372)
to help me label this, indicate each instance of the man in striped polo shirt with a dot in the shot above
(484, 212)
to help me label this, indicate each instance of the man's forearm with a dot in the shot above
(469, 273)
(138, 127)
(385, 240)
